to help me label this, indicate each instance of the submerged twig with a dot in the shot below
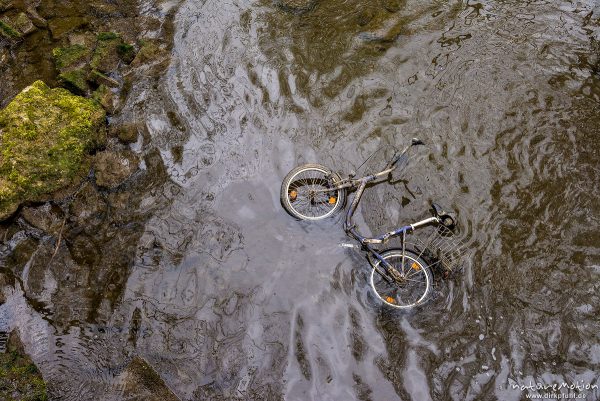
(59, 238)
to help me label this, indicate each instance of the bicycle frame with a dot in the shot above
(366, 242)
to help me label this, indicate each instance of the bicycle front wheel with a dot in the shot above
(411, 289)
(307, 192)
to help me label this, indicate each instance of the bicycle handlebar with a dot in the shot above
(398, 156)
(349, 227)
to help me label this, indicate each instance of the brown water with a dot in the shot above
(228, 297)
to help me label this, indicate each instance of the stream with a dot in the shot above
(227, 297)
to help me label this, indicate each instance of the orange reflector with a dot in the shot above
(415, 266)
(293, 195)
(332, 200)
(390, 300)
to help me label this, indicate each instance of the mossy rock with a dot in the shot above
(24, 24)
(102, 79)
(149, 51)
(105, 97)
(126, 51)
(75, 81)
(106, 55)
(45, 139)
(68, 56)
(19, 377)
(107, 36)
(16, 26)
(8, 30)
(63, 25)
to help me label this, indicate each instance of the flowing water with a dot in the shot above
(228, 297)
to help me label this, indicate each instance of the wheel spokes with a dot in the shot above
(306, 195)
(407, 291)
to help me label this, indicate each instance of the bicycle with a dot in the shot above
(400, 277)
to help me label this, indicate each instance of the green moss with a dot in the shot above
(45, 137)
(124, 48)
(19, 377)
(126, 52)
(8, 31)
(107, 36)
(16, 27)
(65, 57)
(75, 81)
(106, 54)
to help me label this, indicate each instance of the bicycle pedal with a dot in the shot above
(346, 245)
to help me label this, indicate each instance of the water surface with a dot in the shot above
(227, 297)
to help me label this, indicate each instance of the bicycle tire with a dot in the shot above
(417, 295)
(317, 169)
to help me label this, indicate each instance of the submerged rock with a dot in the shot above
(141, 382)
(45, 137)
(61, 26)
(8, 31)
(16, 27)
(296, 6)
(127, 52)
(85, 39)
(48, 218)
(126, 132)
(88, 208)
(113, 168)
(24, 24)
(392, 5)
(36, 18)
(82, 64)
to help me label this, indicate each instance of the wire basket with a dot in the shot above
(440, 246)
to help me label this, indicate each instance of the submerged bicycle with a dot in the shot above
(400, 277)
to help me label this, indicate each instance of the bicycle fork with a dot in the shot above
(389, 269)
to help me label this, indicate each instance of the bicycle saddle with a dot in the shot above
(447, 219)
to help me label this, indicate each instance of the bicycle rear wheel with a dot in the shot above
(307, 192)
(409, 292)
